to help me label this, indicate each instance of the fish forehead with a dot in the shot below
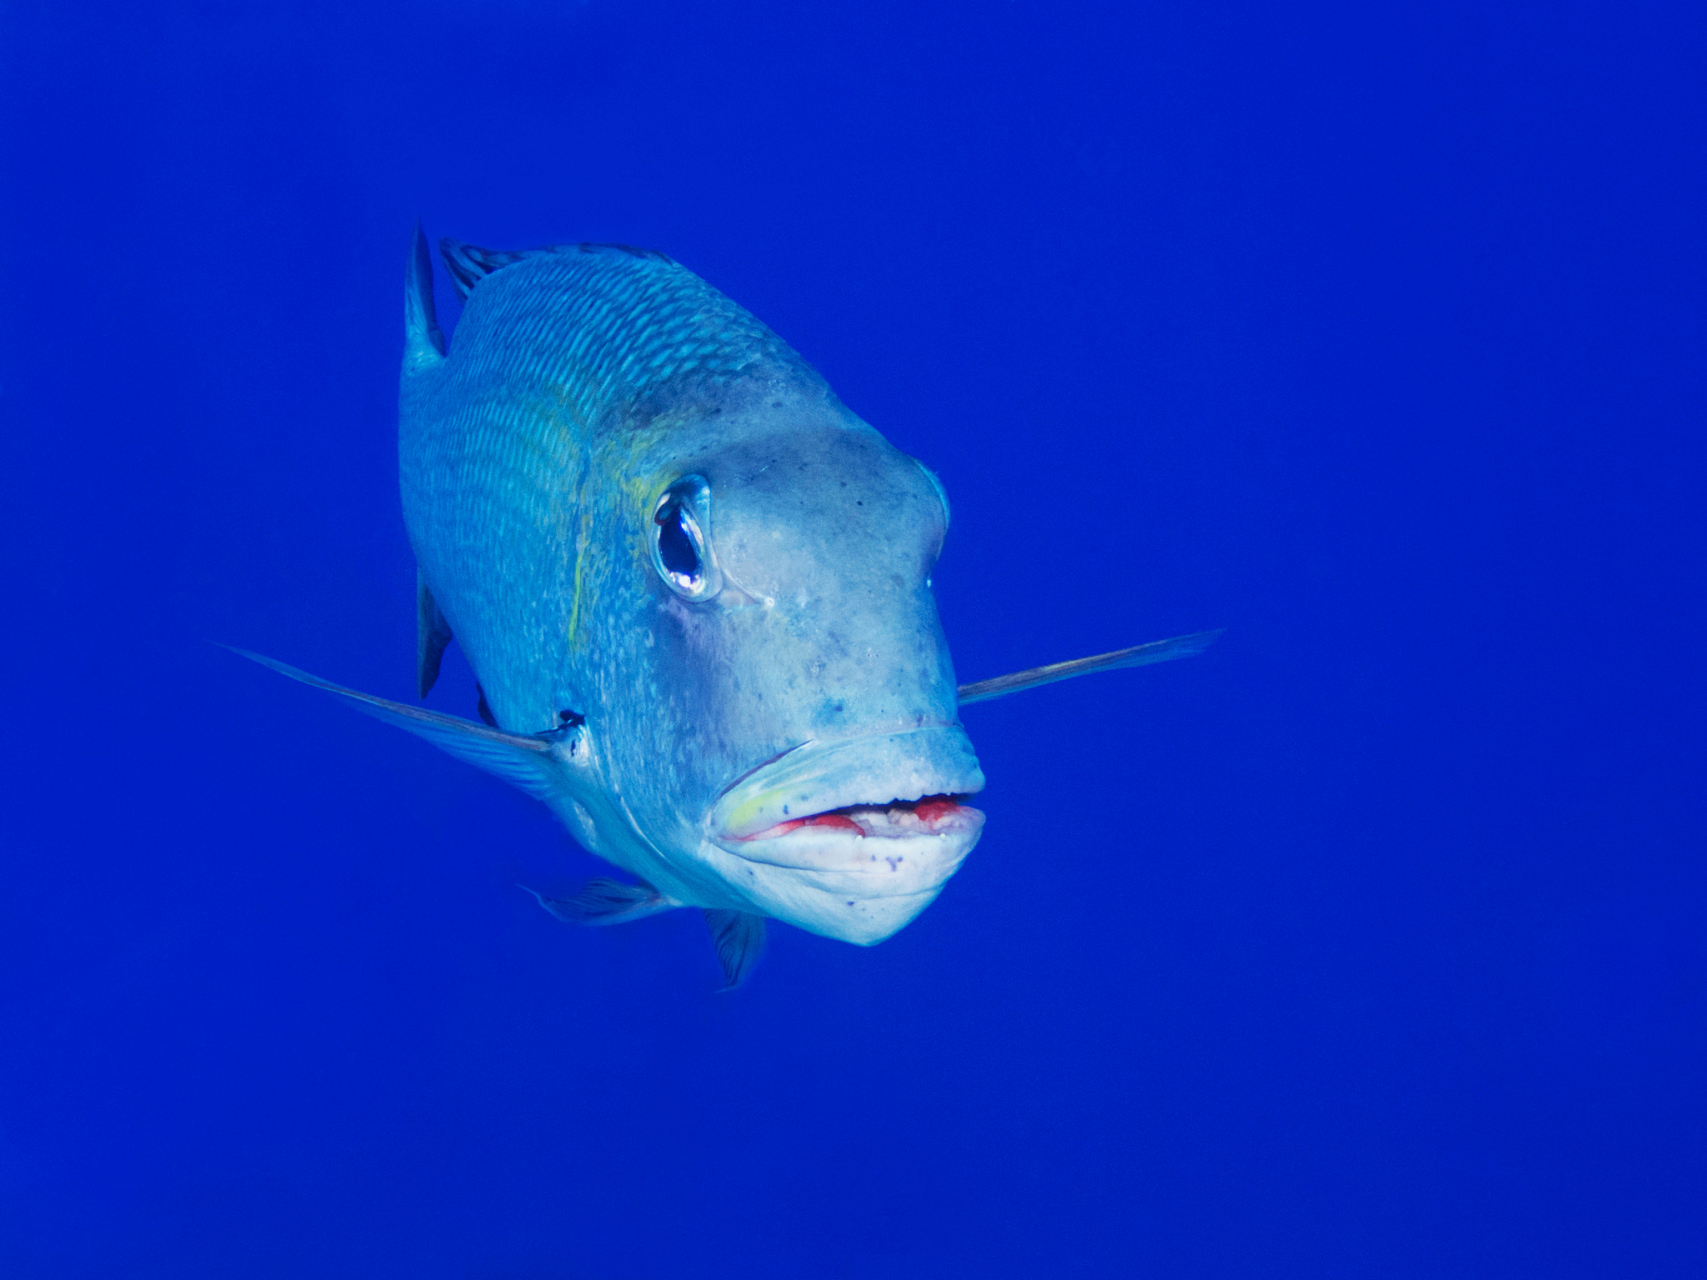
(816, 512)
(806, 498)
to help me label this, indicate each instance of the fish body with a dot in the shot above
(673, 556)
(695, 591)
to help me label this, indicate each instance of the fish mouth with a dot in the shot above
(899, 849)
(863, 804)
(899, 819)
(851, 785)
(850, 838)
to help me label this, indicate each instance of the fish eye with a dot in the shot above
(680, 552)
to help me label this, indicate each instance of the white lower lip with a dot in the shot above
(887, 843)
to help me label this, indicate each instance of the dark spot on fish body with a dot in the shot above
(828, 714)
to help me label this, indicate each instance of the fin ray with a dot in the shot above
(519, 760)
(601, 901)
(469, 264)
(739, 937)
(1138, 656)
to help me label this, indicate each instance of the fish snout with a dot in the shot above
(852, 838)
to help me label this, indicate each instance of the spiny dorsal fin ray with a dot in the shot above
(605, 902)
(519, 760)
(432, 634)
(469, 264)
(1138, 656)
(739, 937)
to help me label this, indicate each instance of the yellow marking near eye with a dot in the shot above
(580, 563)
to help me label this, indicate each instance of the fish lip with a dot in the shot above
(873, 770)
(898, 819)
(763, 764)
(933, 853)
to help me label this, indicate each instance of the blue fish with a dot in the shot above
(695, 591)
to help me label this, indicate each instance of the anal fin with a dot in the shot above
(432, 634)
(605, 902)
(739, 937)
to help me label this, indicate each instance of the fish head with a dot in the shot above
(798, 745)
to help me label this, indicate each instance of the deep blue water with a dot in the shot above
(1368, 944)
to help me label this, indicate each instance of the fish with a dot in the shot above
(695, 590)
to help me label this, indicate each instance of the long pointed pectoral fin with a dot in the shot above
(739, 937)
(519, 760)
(605, 902)
(1138, 656)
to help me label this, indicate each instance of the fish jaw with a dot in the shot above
(851, 838)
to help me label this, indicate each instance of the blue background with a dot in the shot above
(1368, 944)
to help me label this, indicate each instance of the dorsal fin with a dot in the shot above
(432, 634)
(423, 340)
(469, 264)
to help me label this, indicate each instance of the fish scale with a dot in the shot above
(637, 321)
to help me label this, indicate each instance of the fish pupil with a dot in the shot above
(675, 544)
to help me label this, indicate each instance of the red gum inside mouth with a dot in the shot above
(929, 816)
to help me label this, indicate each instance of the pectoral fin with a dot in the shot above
(739, 937)
(605, 902)
(519, 760)
(1138, 656)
